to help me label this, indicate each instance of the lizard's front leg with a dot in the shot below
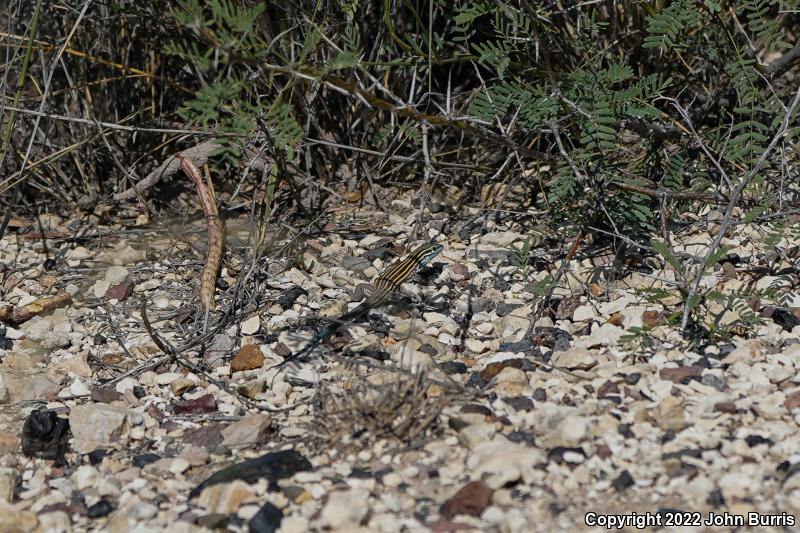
(362, 290)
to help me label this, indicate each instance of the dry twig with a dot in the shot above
(734, 198)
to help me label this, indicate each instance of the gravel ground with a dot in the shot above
(432, 416)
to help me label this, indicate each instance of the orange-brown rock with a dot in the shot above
(248, 358)
(652, 318)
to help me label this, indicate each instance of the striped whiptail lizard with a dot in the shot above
(376, 294)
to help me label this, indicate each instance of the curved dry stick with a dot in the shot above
(206, 194)
(198, 153)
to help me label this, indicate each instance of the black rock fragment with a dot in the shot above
(145, 459)
(266, 520)
(96, 456)
(45, 435)
(272, 467)
(288, 297)
(101, 508)
(454, 367)
(785, 319)
(624, 481)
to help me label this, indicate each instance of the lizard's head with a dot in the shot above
(425, 253)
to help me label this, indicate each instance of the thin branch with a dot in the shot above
(400, 158)
(351, 89)
(113, 126)
(45, 46)
(726, 221)
(685, 115)
(783, 63)
(46, 91)
(555, 131)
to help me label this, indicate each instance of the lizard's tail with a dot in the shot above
(326, 332)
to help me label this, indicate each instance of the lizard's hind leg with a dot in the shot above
(379, 323)
(408, 301)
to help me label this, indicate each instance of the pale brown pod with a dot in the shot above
(214, 226)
